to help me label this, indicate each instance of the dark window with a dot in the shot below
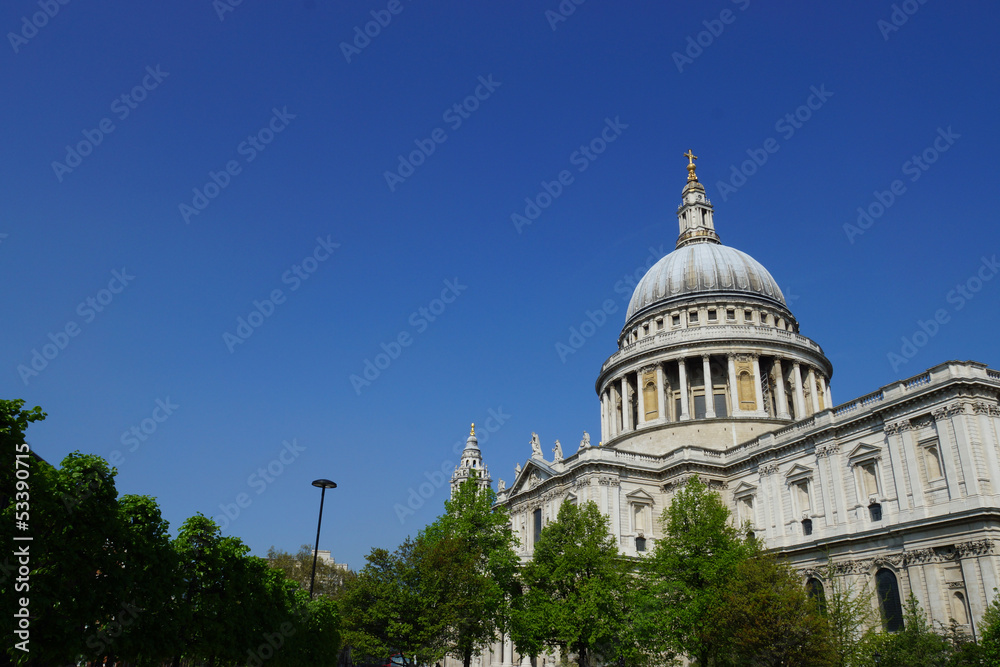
(815, 588)
(676, 319)
(640, 544)
(876, 511)
(807, 526)
(888, 600)
(538, 525)
(699, 407)
(712, 317)
(720, 405)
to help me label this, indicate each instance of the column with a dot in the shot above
(758, 391)
(781, 399)
(640, 397)
(826, 392)
(682, 372)
(626, 406)
(734, 395)
(508, 650)
(709, 396)
(811, 379)
(604, 417)
(661, 390)
(613, 395)
(800, 399)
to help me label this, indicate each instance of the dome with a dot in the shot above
(703, 269)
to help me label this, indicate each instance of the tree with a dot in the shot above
(470, 569)
(989, 632)
(916, 645)
(331, 578)
(576, 587)
(851, 614)
(692, 565)
(769, 618)
(383, 609)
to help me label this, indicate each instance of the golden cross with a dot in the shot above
(690, 156)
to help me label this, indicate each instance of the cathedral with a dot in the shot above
(899, 488)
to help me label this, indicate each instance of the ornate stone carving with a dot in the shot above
(956, 409)
(767, 469)
(827, 450)
(897, 427)
(585, 442)
(980, 408)
(921, 422)
(956, 584)
(557, 452)
(975, 548)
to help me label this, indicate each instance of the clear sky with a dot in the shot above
(167, 167)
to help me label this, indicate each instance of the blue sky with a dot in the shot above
(250, 153)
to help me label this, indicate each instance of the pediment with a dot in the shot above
(531, 476)
(797, 471)
(639, 495)
(744, 489)
(864, 450)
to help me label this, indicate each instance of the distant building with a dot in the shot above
(900, 487)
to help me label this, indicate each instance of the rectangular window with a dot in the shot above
(659, 324)
(746, 510)
(712, 315)
(731, 314)
(802, 495)
(538, 525)
(720, 406)
(870, 477)
(693, 317)
(699, 406)
(748, 316)
(676, 319)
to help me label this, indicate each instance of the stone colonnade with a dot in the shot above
(675, 391)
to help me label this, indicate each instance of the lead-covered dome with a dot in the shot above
(703, 269)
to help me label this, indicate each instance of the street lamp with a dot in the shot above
(324, 484)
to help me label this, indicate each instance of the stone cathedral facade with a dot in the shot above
(900, 487)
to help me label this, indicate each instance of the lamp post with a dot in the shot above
(323, 484)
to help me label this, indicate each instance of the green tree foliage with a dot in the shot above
(693, 564)
(917, 645)
(470, 568)
(851, 613)
(769, 619)
(331, 578)
(576, 590)
(383, 609)
(989, 632)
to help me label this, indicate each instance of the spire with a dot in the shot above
(695, 215)
(471, 462)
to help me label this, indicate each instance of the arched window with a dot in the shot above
(888, 600)
(640, 544)
(807, 526)
(875, 510)
(815, 589)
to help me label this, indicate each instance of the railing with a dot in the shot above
(917, 381)
(993, 375)
(720, 332)
(874, 397)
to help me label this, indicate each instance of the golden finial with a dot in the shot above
(691, 166)
(473, 431)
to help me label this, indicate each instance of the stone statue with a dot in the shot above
(536, 446)
(585, 443)
(557, 452)
(517, 470)
(501, 486)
